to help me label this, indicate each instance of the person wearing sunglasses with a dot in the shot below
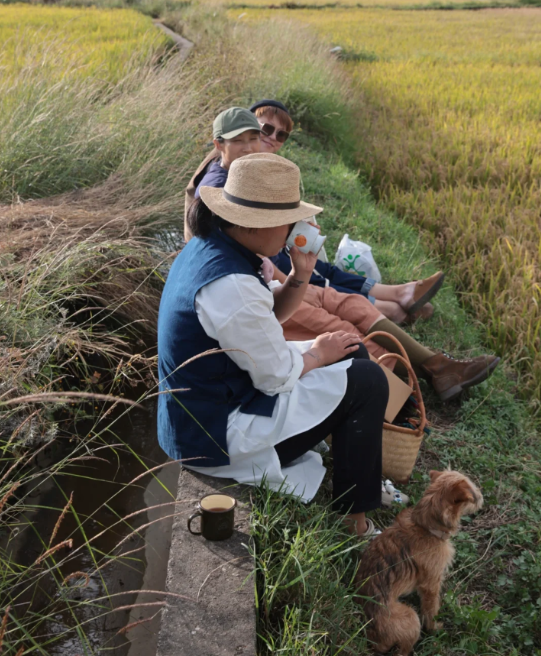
(275, 122)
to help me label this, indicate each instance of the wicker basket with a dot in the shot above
(400, 444)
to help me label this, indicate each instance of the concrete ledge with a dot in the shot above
(218, 577)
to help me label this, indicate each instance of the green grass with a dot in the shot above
(305, 568)
(305, 564)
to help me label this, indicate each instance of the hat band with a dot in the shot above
(256, 204)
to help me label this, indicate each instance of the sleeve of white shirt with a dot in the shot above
(237, 311)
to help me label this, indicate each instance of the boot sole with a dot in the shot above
(427, 296)
(455, 391)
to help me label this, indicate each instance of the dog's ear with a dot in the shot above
(434, 475)
(462, 493)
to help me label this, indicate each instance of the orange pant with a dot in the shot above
(326, 310)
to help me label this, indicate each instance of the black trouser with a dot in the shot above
(356, 428)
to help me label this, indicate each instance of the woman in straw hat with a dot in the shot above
(255, 409)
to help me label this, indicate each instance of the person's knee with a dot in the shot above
(367, 379)
(360, 354)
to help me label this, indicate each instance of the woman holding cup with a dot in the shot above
(306, 238)
(255, 410)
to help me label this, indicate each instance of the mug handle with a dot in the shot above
(190, 519)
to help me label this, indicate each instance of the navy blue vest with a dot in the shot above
(193, 423)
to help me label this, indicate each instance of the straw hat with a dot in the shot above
(262, 191)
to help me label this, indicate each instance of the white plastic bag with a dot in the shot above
(356, 257)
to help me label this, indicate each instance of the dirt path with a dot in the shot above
(184, 46)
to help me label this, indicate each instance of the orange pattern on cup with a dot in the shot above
(300, 241)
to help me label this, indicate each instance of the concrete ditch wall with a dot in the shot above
(216, 616)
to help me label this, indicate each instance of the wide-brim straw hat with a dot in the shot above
(262, 191)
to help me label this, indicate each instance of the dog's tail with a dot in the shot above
(396, 624)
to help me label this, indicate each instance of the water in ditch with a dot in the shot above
(102, 496)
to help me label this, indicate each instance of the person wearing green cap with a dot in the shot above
(235, 133)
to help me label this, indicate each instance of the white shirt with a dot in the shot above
(237, 311)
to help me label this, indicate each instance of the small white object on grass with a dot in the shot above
(322, 447)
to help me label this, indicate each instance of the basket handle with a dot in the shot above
(412, 378)
(398, 345)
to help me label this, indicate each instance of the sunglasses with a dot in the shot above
(268, 131)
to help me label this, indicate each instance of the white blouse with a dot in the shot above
(237, 311)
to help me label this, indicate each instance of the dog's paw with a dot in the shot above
(430, 627)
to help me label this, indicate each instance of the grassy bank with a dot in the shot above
(93, 161)
(306, 562)
(93, 166)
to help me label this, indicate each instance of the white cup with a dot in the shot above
(305, 237)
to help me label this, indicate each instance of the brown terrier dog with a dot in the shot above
(413, 554)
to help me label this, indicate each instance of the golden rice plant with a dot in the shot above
(89, 41)
(450, 136)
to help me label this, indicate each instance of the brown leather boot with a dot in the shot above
(449, 376)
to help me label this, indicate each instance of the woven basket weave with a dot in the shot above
(401, 445)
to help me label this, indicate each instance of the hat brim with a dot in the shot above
(235, 133)
(250, 217)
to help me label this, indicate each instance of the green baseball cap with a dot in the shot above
(234, 121)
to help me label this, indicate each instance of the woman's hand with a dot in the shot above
(302, 264)
(332, 347)
(288, 298)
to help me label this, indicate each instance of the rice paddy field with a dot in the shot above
(69, 41)
(448, 113)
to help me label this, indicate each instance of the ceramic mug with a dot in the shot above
(305, 237)
(217, 512)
